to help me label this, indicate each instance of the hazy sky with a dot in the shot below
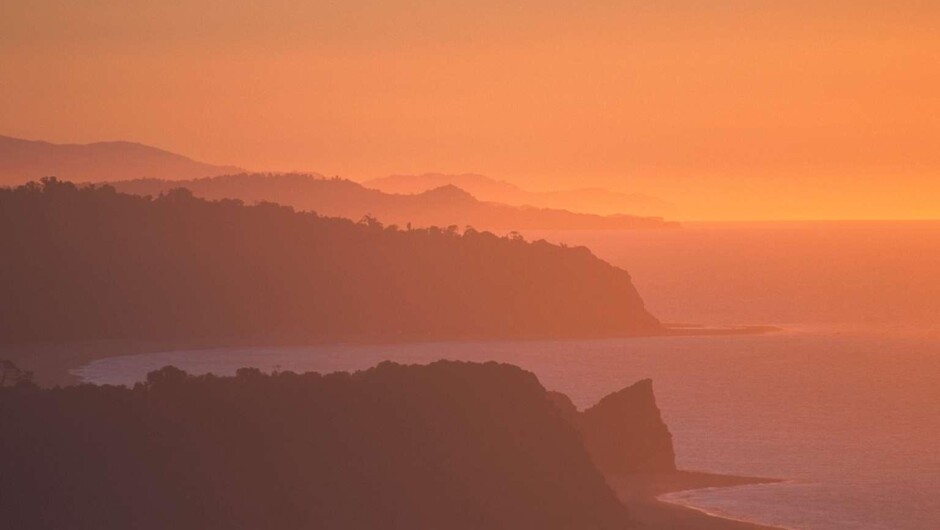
(735, 109)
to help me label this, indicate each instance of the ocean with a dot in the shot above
(843, 403)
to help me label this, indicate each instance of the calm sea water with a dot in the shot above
(844, 403)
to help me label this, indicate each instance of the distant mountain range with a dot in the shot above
(24, 160)
(593, 200)
(422, 200)
(444, 206)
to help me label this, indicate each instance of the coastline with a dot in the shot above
(694, 330)
(641, 495)
(53, 364)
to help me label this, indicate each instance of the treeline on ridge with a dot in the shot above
(449, 445)
(91, 263)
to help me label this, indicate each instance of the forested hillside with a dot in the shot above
(92, 263)
(449, 445)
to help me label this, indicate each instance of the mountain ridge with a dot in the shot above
(448, 205)
(595, 200)
(23, 160)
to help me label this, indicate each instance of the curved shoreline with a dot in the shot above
(642, 494)
(724, 517)
(53, 362)
(58, 364)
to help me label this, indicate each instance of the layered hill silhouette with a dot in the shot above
(423, 200)
(592, 200)
(25, 160)
(444, 206)
(92, 263)
(449, 445)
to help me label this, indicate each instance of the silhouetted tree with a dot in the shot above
(370, 221)
(12, 376)
(168, 376)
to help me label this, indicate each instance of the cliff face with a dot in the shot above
(624, 432)
(449, 445)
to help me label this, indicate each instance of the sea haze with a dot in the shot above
(843, 403)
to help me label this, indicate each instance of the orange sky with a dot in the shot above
(732, 110)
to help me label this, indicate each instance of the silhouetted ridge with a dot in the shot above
(441, 206)
(624, 432)
(449, 445)
(449, 193)
(90, 263)
(25, 160)
(588, 200)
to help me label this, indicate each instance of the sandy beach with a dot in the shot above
(51, 363)
(640, 494)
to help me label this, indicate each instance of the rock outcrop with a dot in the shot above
(624, 432)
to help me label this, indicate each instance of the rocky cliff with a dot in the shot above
(624, 432)
(449, 445)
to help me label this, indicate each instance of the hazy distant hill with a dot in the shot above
(592, 200)
(24, 160)
(444, 206)
(91, 263)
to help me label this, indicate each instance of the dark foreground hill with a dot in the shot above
(442, 206)
(91, 263)
(25, 160)
(450, 445)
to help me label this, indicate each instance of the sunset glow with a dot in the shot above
(743, 110)
(469, 265)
